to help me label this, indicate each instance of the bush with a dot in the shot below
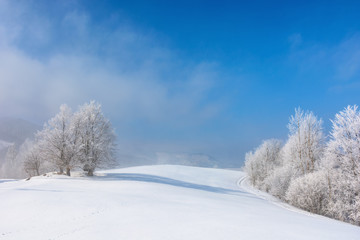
(309, 192)
(278, 182)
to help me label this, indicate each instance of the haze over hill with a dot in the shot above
(16, 131)
(15, 134)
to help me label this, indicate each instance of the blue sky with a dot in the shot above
(182, 77)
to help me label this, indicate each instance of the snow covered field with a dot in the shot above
(155, 202)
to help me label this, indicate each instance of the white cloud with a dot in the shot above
(78, 21)
(157, 100)
(127, 70)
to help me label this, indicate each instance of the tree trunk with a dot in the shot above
(90, 172)
(61, 170)
(68, 171)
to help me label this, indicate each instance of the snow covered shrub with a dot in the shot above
(343, 198)
(309, 192)
(278, 181)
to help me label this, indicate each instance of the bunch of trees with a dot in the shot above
(310, 173)
(262, 162)
(12, 166)
(84, 139)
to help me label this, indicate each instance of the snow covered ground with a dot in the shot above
(155, 202)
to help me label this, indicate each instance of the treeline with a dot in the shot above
(310, 172)
(84, 140)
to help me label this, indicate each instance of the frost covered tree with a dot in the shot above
(10, 159)
(56, 141)
(13, 167)
(305, 145)
(260, 164)
(84, 139)
(300, 155)
(317, 177)
(96, 136)
(343, 149)
(10, 167)
(34, 162)
(342, 156)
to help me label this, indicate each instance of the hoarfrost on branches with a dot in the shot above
(317, 177)
(83, 140)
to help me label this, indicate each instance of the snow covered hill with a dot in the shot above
(155, 202)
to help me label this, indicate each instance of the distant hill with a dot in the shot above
(188, 159)
(16, 130)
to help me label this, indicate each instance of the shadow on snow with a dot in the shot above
(8, 180)
(163, 180)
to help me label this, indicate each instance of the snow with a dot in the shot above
(155, 202)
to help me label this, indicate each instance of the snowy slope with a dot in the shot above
(154, 202)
